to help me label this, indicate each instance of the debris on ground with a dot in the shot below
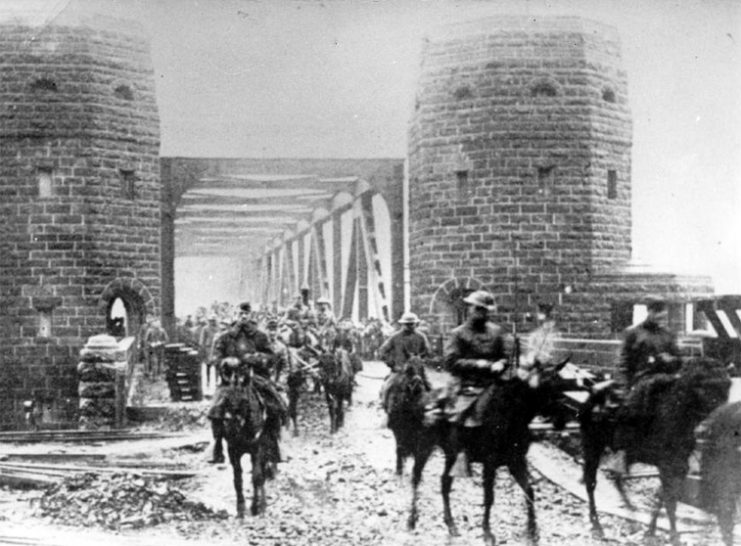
(119, 501)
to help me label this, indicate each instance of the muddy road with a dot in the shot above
(332, 490)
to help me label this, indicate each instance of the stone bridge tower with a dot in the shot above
(80, 207)
(519, 167)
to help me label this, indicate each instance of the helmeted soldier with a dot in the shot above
(245, 347)
(326, 324)
(347, 339)
(475, 355)
(649, 347)
(404, 344)
(649, 358)
(154, 344)
(279, 347)
(207, 340)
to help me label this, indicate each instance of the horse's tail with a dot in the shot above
(720, 466)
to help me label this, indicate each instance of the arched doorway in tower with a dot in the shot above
(125, 313)
(117, 320)
(447, 308)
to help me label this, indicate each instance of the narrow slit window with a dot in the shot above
(544, 89)
(44, 323)
(124, 92)
(546, 177)
(128, 183)
(608, 95)
(612, 184)
(464, 186)
(44, 178)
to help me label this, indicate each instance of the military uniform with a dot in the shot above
(649, 358)
(397, 350)
(475, 355)
(648, 349)
(279, 348)
(468, 356)
(249, 348)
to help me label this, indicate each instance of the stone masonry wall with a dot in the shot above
(519, 166)
(77, 106)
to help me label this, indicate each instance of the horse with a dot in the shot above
(678, 404)
(502, 439)
(720, 466)
(336, 373)
(405, 408)
(244, 431)
(300, 367)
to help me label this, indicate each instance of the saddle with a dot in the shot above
(466, 408)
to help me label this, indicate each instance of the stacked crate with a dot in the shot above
(183, 373)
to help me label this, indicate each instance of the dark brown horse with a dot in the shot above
(336, 373)
(245, 432)
(720, 467)
(405, 408)
(677, 405)
(502, 439)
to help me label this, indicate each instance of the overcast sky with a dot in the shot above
(337, 78)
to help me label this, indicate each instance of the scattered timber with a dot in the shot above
(75, 435)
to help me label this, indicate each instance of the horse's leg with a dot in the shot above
(489, 477)
(655, 511)
(619, 482)
(446, 483)
(331, 408)
(591, 451)
(518, 469)
(399, 452)
(235, 459)
(726, 514)
(422, 454)
(671, 485)
(293, 394)
(340, 411)
(259, 502)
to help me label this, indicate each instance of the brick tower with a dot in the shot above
(519, 166)
(80, 208)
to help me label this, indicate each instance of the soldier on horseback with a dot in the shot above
(398, 349)
(475, 356)
(649, 358)
(242, 349)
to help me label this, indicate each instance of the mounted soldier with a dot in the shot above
(649, 359)
(475, 356)
(399, 348)
(244, 349)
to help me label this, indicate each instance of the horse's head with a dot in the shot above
(705, 383)
(236, 410)
(327, 364)
(545, 384)
(412, 373)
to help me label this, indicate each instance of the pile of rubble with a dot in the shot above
(179, 418)
(118, 501)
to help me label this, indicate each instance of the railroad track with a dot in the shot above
(74, 435)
